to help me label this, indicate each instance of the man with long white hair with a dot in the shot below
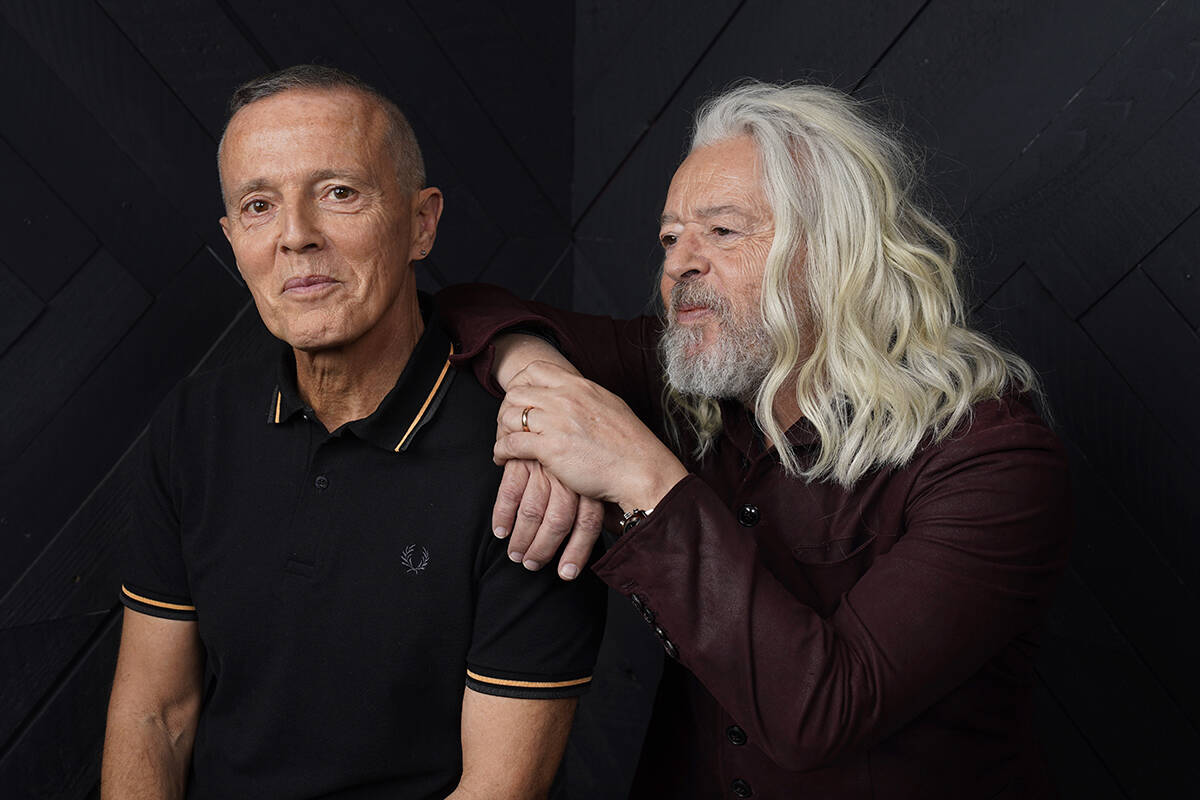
(852, 533)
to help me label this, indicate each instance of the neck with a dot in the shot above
(342, 384)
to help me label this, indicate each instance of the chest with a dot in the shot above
(817, 538)
(309, 539)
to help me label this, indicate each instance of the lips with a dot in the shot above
(308, 284)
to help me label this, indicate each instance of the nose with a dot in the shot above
(301, 231)
(686, 259)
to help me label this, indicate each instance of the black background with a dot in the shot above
(1062, 140)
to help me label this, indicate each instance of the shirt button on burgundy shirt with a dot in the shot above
(735, 735)
(748, 515)
(321, 482)
(741, 788)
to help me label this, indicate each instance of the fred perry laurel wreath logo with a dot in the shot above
(413, 567)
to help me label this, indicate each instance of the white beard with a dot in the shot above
(732, 366)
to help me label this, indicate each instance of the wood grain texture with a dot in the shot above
(45, 243)
(57, 753)
(105, 411)
(19, 307)
(1108, 176)
(1143, 739)
(31, 660)
(1078, 770)
(1174, 266)
(79, 327)
(1133, 321)
(976, 81)
(98, 181)
(116, 85)
(511, 81)
(630, 61)
(201, 70)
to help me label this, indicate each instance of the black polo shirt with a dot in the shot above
(346, 585)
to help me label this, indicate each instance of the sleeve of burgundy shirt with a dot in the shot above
(620, 355)
(986, 533)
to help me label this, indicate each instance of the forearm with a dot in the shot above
(144, 758)
(516, 351)
(807, 689)
(511, 747)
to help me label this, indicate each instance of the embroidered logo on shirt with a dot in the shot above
(413, 567)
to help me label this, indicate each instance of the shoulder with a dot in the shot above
(1008, 424)
(230, 395)
(1004, 450)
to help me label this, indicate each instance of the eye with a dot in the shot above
(256, 207)
(667, 239)
(719, 231)
(342, 193)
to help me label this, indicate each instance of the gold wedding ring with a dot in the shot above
(525, 419)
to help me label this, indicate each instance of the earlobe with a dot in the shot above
(427, 212)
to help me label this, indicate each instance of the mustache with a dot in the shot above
(695, 293)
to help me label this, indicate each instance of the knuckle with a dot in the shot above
(530, 515)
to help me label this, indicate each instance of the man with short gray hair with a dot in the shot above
(315, 605)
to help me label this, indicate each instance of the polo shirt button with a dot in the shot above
(735, 735)
(741, 788)
(321, 482)
(748, 515)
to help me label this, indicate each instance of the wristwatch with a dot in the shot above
(630, 521)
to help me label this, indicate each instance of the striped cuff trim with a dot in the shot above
(528, 684)
(156, 608)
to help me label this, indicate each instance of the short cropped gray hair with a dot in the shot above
(410, 165)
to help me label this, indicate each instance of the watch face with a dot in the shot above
(630, 520)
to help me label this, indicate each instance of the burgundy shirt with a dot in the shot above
(872, 642)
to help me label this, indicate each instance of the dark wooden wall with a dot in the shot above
(1062, 139)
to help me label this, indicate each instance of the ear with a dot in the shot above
(427, 210)
(225, 229)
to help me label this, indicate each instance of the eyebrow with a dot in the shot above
(258, 184)
(705, 213)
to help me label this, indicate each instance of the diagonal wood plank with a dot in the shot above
(75, 156)
(198, 52)
(630, 60)
(30, 657)
(41, 761)
(526, 98)
(43, 239)
(1130, 325)
(88, 52)
(80, 326)
(1109, 177)
(105, 411)
(1174, 266)
(976, 81)
(19, 307)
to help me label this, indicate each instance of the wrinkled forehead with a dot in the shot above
(295, 118)
(726, 173)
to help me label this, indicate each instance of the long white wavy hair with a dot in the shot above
(875, 342)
